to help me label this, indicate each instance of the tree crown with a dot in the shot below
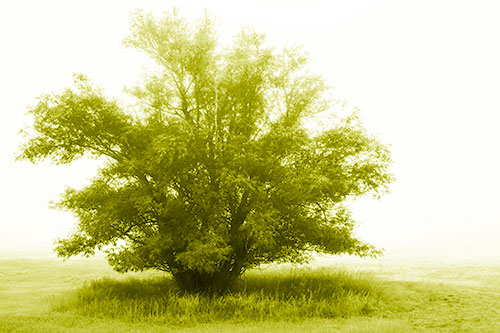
(218, 171)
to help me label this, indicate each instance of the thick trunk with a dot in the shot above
(221, 280)
(215, 283)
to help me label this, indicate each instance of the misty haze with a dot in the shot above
(263, 166)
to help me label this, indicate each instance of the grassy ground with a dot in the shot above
(343, 294)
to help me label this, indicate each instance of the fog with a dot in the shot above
(424, 74)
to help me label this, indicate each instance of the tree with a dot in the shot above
(216, 172)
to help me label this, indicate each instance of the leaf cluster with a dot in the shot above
(218, 173)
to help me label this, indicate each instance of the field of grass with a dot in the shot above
(339, 294)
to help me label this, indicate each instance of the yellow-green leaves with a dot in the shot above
(76, 121)
(215, 172)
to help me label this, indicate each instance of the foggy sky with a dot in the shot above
(425, 75)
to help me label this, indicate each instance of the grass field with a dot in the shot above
(339, 294)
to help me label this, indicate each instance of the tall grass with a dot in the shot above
(45, 295)
(280, 295)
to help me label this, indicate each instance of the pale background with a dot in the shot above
(425, 74)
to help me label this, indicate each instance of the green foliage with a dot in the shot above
(217, 173)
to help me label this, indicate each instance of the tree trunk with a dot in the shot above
(215, 283)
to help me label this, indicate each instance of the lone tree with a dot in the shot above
(214, 172)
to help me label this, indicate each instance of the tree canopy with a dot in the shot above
(215, 171)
